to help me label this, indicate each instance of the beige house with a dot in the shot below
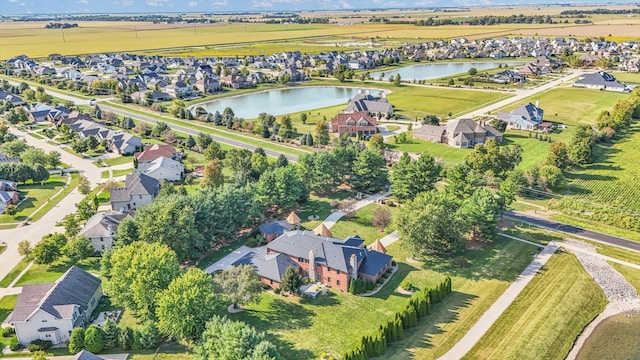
(51, 311)
(459, 133)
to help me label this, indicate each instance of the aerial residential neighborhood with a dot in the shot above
(333, 180)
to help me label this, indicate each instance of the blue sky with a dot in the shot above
(141, 6)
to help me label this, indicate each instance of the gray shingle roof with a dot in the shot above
(529, 112)
(600, 78)
(86, 355)
(100, 224)
(271, 266)
(75, 288)
(135, 184)
(366, 102)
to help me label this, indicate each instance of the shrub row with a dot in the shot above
(418, 307)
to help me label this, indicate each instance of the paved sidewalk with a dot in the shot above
(504, 301)
(390, 239)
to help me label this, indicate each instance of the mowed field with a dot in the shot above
(91, 37)
(546, 317)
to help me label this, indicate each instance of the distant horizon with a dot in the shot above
(102, 7)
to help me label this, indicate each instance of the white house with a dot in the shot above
(163, 168)
(51, 311)
(524, 117)
(601, 81)
(101, 227)
(139, 190)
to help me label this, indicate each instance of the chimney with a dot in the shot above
(312, 265)
(353, 261)
(537, 104)
(110, 229)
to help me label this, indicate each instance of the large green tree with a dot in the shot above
(462, 181)
(481, 211)
(282, 187)
(239, 162)
(432, 223)
(78, 249)
(239, 284)
(492, 158)
(369, 172)
(558, 155)
(224, 339)
(409, 178)
(186, 305)
(318, 171)
(76, 340)
(291, 280)
(94, 339)
(137, 274)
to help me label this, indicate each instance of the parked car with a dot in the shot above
(92, 102)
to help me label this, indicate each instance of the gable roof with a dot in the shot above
(430, 130)
(369, 103)
(152, 152)
(600, 78)
(270, 266)
(377, 246)
(135, 184)
(163, 163)
(529, 111)
(75, 288)
(293, 218)
(358, 116)
(86, 355)
(103, 224)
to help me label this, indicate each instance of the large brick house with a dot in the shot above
(459, 133)
(356, 123)
(330, 261)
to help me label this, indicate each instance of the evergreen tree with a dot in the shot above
(76, 340)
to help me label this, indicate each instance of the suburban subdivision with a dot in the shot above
(333, 180)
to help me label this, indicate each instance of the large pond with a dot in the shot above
(438, 70)
(616, 337)
(284, 101)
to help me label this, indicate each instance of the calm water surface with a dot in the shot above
(438, 70)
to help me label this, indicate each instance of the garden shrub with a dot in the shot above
(14, 345)
(37, 345)
(8, 332)
(406, 285)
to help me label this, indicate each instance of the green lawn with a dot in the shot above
(119, 160)
(40, 274)
(54, 200)
(360, 224)
(104, 174)
(320, 206)
(547, 316)
(304, 328)
(14, 273)
(36, 195)
(2, 249)
(116, 173)
(443, 152)
(632, 275)
(627, 77)
(7, 303)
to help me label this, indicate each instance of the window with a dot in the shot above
(338, 282)
(270, 282)
(44, 320)
(306, 261)
(329, 280)
(318, 265)
(328, 269)
(300, 260)
(101, 239)
(338, 272)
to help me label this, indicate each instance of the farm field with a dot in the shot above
(613, 179)
(546, 317)
(91, 37)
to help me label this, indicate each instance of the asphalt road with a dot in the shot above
(219, 139)
(573, 230)
(118, 111)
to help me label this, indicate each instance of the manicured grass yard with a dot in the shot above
(7, 303)
(304, 328)
(360, 224)
(119, 160)
(547, 316)
(443, 152)
(120, 172)
(14, 272)
(320, 206)
(36, 196)
(40, 274)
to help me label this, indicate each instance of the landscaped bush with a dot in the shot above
(277, 291)
(8, 332)
(14, 345)
(37, 345)
(406, 285)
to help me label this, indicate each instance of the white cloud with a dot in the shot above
(220, 3)
(345, 5)
(261, 3)
(83, 1)
(13, 1)
(157, 2)
(193, 3)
